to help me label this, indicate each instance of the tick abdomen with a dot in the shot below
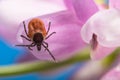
(34, 26)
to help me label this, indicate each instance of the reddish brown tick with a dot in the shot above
(37, 35)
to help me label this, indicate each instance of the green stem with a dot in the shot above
(38, 66)
(111, 58)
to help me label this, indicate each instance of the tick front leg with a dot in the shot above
(25, 37)
(49, 52)
(25, 46)
(49, 27)
(29, 46)
(25, 28)
(50, 35)
(46, 44)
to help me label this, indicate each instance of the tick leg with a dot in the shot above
(25, 46)
(25, 29)
(50, 35)
(25, 37)
(49, 52)
(45, 44)
(32, 45)
(49, 27)
(29, 46)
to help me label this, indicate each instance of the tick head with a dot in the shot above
(38, 47)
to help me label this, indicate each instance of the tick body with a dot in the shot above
(37, 35)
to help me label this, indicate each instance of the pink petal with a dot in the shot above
(105, 24)
(113, 74)
(84, 9)
(69, 4)
(114, 4)
(12, 12)
(26, 57)
(65, 42)
(98, 52)
(8, 33)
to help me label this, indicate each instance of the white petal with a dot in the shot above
(106, 25)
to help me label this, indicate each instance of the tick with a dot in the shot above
(37, 35)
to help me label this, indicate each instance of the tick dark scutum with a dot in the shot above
(38, 39)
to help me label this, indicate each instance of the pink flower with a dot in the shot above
(102, 32)
(64, 22)
(83, 9)
(113, 74)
